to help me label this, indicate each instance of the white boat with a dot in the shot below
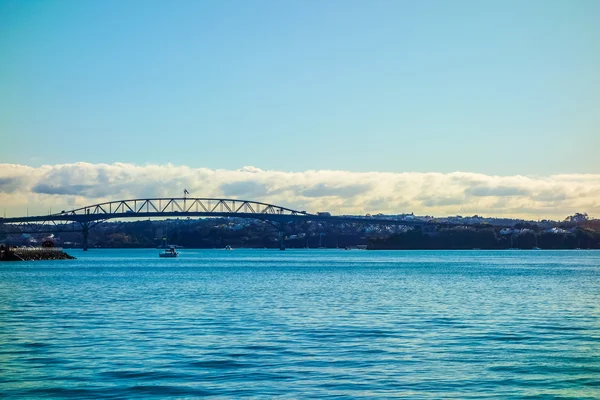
(171, 252)
(228, 247)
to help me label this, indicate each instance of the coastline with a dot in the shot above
(33, 254)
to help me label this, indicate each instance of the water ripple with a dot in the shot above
(296, 324)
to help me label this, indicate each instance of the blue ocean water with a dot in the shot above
(302, 323)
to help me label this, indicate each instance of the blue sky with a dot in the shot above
(493, 87)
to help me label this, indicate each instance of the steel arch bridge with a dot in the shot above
(89, 216)
(168, 207)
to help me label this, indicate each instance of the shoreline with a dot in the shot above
(33, 254)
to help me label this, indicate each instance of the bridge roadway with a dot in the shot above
(183, 207)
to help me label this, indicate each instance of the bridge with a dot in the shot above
(84, 218)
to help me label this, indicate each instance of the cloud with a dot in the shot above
(72, 190)
(496, 191)
(248, 189)
(442, 201)
(9, 184)
(326, 190)
(66, 186)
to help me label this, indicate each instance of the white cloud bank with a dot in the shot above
(65, 186)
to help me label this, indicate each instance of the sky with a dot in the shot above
(344, 92)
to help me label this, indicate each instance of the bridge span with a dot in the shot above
(84, 218)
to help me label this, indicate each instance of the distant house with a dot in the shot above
(556, 230)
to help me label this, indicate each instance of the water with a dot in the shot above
(302, 323)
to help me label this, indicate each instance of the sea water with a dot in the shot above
(302, 323)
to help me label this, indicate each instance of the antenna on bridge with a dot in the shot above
(185, 192)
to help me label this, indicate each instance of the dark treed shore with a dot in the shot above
(489, 239)
(218, 233)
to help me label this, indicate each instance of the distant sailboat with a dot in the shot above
(169, 250)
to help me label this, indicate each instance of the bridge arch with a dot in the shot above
(179, 206)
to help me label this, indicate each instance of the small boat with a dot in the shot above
(171, 252)
(535, 248)
(228, 247)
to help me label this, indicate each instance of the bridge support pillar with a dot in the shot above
(281, 241)
(428, 230)
(86, 232)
